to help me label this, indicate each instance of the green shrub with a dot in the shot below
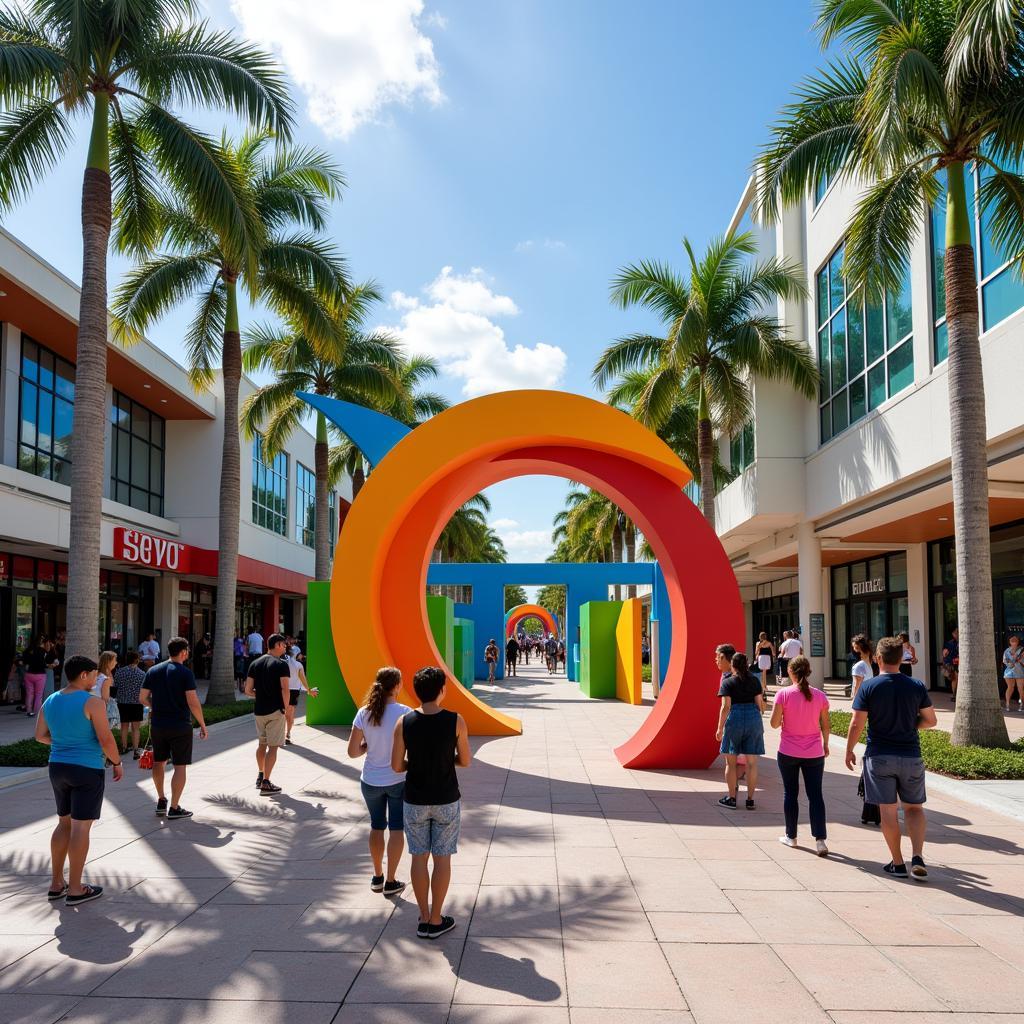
(28, 753)
(941, 756)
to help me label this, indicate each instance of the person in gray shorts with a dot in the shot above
(897, 707)
(429, 742)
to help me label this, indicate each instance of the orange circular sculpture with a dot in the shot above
(530, 611)
(378, 611)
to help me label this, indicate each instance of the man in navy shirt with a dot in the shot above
(896, 707)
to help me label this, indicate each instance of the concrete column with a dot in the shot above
(917, 601)
(10, 367)
(811, 597)
(165, 608)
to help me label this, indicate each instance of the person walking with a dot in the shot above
(104, 687)
(764, 652)
(740, 727)
(551, 653)
(253, 645)
(129, 680)
(238, 655)
(491, 657)
(895, 707)
(862, 668)
(297, 682)
(149, 652)
(428, 744)
(73, 724)
(951, 661)
(1013, 671)
(383, 788)
(34, 661)
(169, 691)
(268, 683)
(909, 656)
(801, 711)
(511, 654)
(788, 649)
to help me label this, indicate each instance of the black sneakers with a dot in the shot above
(377, 883)
(178, 812)
(728, 801)
(394, 888)
(259, 780)
(161, 807)
(898, 870)
(918, 868)
(92, 892)
(423, 930)
(435, 931)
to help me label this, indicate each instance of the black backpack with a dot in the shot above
(870, 814)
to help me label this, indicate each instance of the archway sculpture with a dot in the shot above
(530, 611)
(422, 476)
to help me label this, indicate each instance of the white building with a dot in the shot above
(159, 534)
(842, 508)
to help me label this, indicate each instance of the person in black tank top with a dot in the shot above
(429, 743)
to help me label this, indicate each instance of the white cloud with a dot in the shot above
(529, 244)
(525, 545)
(504, 524)
(455, 325)
(351, 58)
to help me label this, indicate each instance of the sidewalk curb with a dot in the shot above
(34, 774)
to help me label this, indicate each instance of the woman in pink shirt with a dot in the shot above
(802, 712)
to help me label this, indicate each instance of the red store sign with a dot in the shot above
(154, 552)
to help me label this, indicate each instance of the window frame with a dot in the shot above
(117, 481)
(39, 453)
(272, 514)
(302, 507)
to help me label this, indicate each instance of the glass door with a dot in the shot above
(1009, 620)
(24, 620)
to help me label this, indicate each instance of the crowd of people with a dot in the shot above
(520, 646)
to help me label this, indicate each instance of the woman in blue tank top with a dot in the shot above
(73, 724)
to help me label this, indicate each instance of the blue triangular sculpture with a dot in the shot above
(373, 433)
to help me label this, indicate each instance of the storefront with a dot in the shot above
(870, 597)
(1007, 545)
(773, 616)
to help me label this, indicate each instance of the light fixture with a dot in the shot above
(3, 295)
(147, 386)
(943, 519)
(164, 400)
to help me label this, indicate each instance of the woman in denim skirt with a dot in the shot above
(740, 727)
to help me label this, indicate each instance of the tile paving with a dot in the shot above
(585, 894)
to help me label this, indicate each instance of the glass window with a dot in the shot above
(741, 448)
(45, 420)
(332, 518)
(841, 582)
(898, 572)
(136, 455)
(305, 505)
(858, 399)
(901, 368)
(269, 489)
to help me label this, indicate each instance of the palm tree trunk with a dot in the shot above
(617, 556)
(90, 417)
(706, 456)
(358, 478)
(630, 554)
(321, 525)
(978, 718)
(222, 688)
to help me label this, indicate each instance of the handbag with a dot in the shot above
(146, 757)
(870, 814)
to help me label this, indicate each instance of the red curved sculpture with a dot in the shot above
(528, 611)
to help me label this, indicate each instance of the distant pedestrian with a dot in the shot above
(297, 682)
(909, 655)
(73, 723)
(428, 743)
(511, 654)
(862, 668)
(104, 688)
(238, 657)
(801, 711)
(740, 727)
(723, 662)
(169, 691)
(764, 652)
(149, 652)
(551, 653)
(1013, 672)
(951, 660)
(789, 648)
(253, 647)
(383, 788)
(35, 660)
(129, 680)
(268, 683)
(491, 657)
(896, 708)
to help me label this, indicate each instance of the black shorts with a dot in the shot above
(293, 697)
(77, 790)
(172, 744)
(129, 712)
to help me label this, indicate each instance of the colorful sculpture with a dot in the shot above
(530, 611)
(422, 476)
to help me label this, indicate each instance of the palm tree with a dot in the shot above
(122, 64)
(717, 337)
(355, 365)
(590, 526)
(922, 91)
(467, 537)
(278, 259)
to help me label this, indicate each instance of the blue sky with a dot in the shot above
(503, 159)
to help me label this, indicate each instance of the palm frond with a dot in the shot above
(33, 138)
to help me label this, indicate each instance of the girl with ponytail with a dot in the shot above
(801, 711)
(383, 788)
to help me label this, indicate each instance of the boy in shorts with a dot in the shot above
(429, 742)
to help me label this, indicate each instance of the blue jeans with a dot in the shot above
(813, 769)
(385, 805)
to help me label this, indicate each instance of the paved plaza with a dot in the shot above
(584, 893)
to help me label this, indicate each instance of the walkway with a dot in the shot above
(585, 894)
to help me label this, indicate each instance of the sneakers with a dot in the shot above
(161, 807)
(394, 888)
(435, 931)
(750, 804)
(377, 883)
(178, 812)
(259, 780)
(898, 870)
(267, 788)
(92, 892)
(287, 741)
(728, 801)
(820, 847)
(136, 754)
(789, 841)
(918, 868)
(423, 930)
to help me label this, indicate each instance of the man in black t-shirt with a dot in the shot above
(511, 655)
(169, 691)
(267, 682)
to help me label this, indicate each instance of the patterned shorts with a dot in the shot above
(433, 828)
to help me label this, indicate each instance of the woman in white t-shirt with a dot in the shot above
(383, 789)
(296, 684)
(862, 669)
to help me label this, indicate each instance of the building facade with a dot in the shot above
(840, 516)
(161, 486)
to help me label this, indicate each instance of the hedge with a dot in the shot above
(28, 753)
(957, 762)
